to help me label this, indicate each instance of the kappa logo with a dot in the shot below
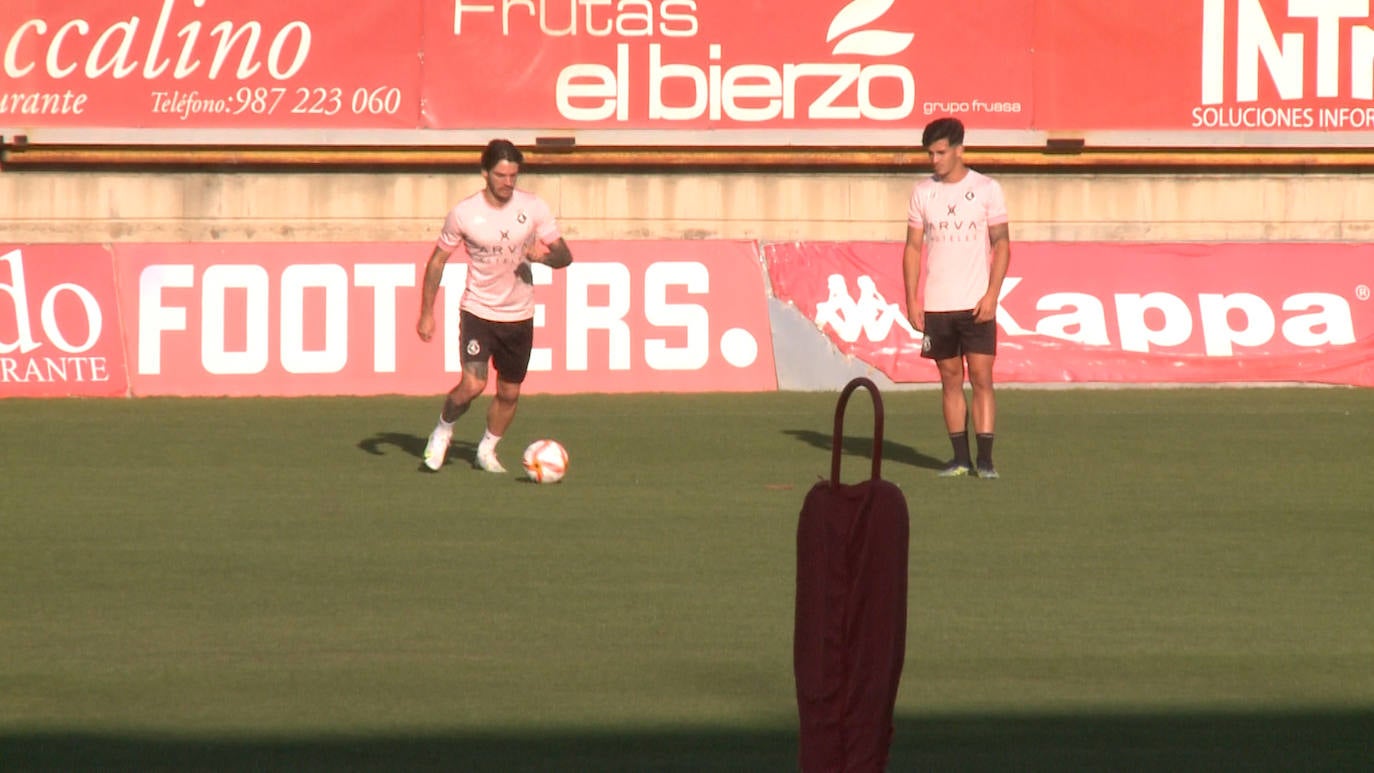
(869, 315)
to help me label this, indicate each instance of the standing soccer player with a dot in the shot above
(958, 247)
(503, 230)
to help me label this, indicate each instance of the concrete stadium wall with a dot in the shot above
(96, 205)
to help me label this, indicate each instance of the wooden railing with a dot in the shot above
(16, 153)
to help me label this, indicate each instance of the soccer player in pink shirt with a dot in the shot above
(958, 247)
(503, 230)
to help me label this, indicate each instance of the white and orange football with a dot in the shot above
(546, 461)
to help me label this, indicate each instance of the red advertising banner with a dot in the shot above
(749, 64)
(321, 319)
(1109, 312)
(838, 69)
(209, 64)
(1234, 65)
(59, 323)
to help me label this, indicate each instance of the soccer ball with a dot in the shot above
(546, 461)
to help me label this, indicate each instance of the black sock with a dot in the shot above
(985, 449)
(959, 440)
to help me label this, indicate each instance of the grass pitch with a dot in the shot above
(1168, 579)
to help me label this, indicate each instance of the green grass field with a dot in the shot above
(1161, 579)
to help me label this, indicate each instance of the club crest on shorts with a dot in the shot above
(474, 347)
(925, 344)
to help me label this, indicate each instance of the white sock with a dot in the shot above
(445, 425)
(488, 443)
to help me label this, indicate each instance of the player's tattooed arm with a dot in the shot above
(558, 256)
(1000, 236)
(1000, 233)
(434, 274)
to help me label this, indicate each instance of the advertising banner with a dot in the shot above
(748, 64)
(339, 319)
(1112, 312)
(1232, 65)
(59, 323)
(847, 70)
(241, 64)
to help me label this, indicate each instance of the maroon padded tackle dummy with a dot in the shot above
(850, 637)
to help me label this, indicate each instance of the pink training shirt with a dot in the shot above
(955, 218)
(496, 239)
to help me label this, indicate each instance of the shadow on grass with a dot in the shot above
(893, 452)
(414, 445)
(1306, 741)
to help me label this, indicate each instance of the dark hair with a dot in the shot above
(951, 129)
(498, 151)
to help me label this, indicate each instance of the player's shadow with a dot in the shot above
(893, 452)
(414, 446)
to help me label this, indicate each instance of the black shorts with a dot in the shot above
(954, 334)
(507, 344)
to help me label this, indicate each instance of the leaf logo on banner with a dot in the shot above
(867, 42)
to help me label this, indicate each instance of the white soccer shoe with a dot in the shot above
(436, 451)
(487, 460)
